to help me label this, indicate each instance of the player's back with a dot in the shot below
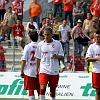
(28, 55)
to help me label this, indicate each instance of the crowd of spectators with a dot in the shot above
(80, 22)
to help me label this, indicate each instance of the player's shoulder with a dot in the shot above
(41, 43)
(57, 42)
(92, 45)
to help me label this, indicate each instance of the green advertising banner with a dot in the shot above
(71, 86)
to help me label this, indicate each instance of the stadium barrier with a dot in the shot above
(71, 86)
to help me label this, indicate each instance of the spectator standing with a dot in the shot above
(86, 26)
(47, 54)
(68, 9)
(17, 8)
(65, 30)
(2, 8)
(56, 25)
(57, 7)
(2, 59)
(35, 11)
(28, 66)
(83, 5)
(78, 13)
(87, 22)
(11, 20)
(93, 29)
(18, 33)
(80, 37)
(93, 55)
(50, 16)
(95, 9)
(47, 24)
(4, 31)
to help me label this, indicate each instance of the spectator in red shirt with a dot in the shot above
(95, 9)
(68, 9)
(17, 8)
(18, 33)
(2, 59)
(57, 6)
(93, 1)
(2, 8)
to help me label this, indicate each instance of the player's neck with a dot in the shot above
(98, 44)
(48, 41)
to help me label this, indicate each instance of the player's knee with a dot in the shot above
(98, 91)
(52, 92)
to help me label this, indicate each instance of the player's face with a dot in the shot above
(47, 35)
(97, 38)
(18, 22)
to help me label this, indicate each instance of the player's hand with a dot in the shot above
(62, 69)
(98, 59)
(60, 40)
(54, 56)
(22, 75)
(37, 73)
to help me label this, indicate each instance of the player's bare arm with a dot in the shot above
(92, 59)
(22, 68)
(57, 57)
(37, 66)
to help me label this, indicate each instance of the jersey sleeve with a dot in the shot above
(59, 29)
(89, 52)
(61, 52)
(38, 52)
(25, 53)
(69, 29)
(22, 28)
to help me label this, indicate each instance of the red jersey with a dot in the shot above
(18, 30)
(2, 57)
(95, 9)
(2, 4)
(17, 11)
(93, 1)
(68, 7)
(57, 1)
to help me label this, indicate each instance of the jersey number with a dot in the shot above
(32, 53)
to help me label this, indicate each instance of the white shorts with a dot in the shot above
(18, 38)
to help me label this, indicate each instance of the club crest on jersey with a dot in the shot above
(53, 46)
(34, 46)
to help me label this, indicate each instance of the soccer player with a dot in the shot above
(47, 54)
(93, 55)
(28, 66)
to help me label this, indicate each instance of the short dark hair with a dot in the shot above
(98, 31)
(33, 36)
(9, 7)
(43, 19)
(48, 29)
(19, 19)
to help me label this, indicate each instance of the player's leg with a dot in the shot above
(37, 87)
(96, 84)
(97, 97)
(43, 79)
(53, 84)
(31, 95)
(29, 84)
